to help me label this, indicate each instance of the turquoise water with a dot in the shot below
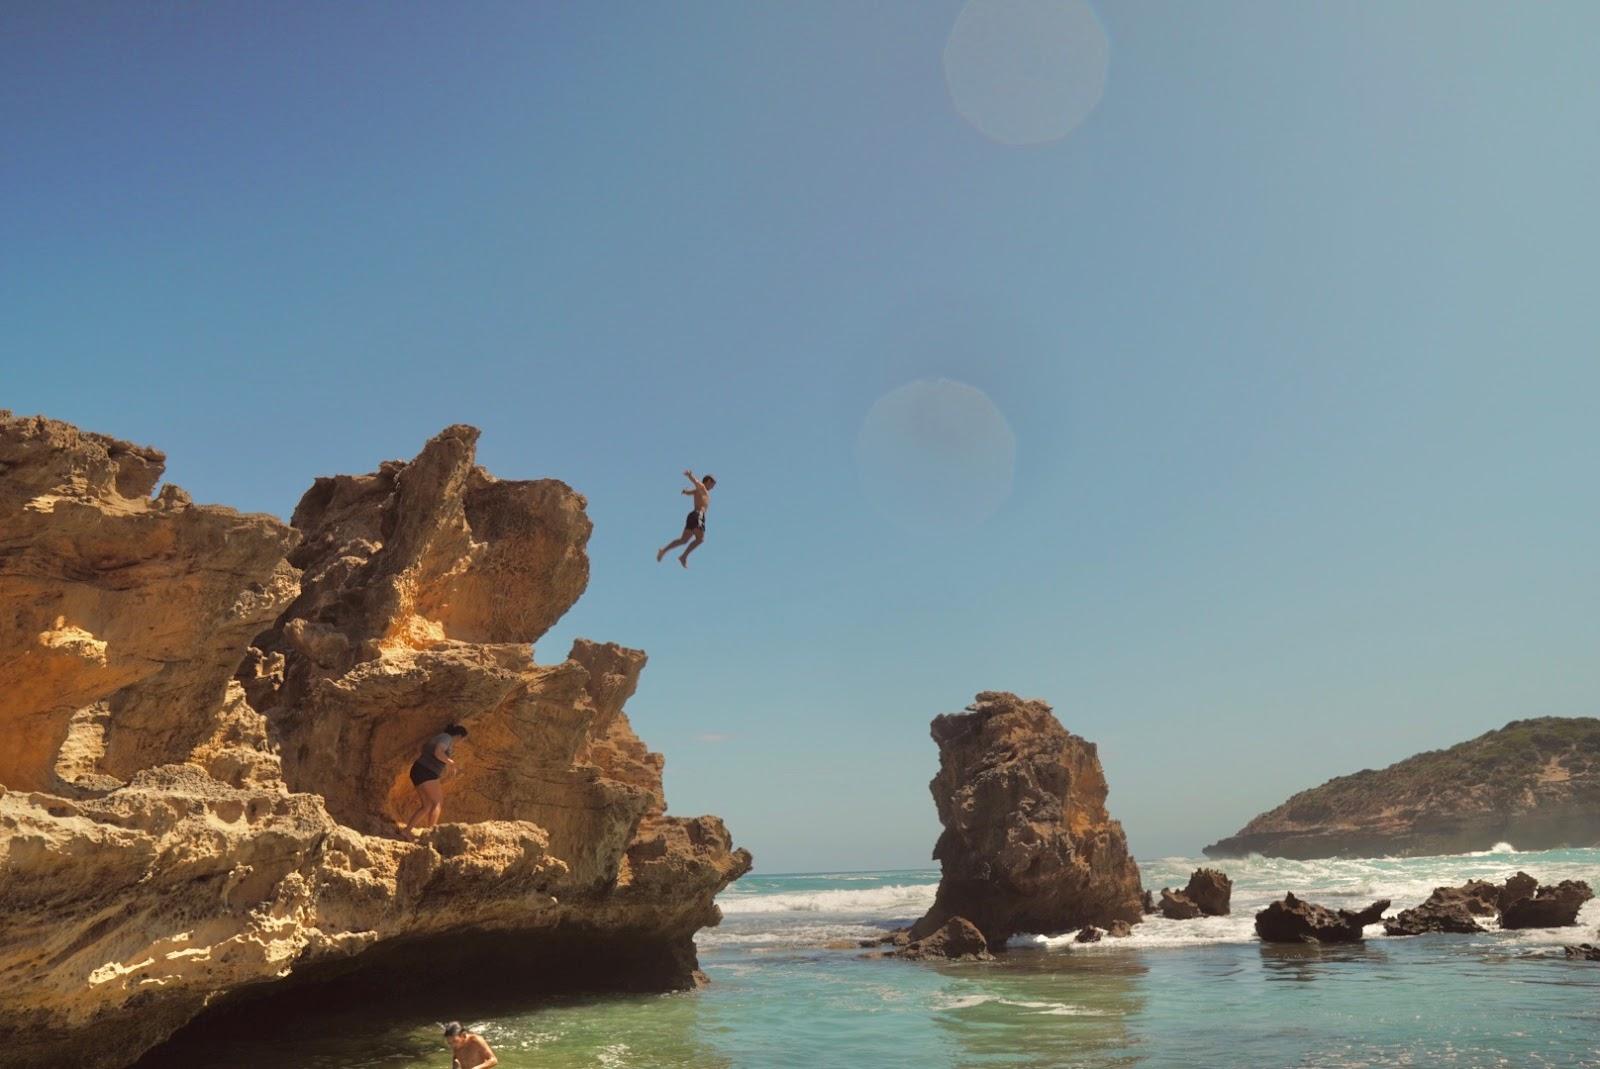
(1185, 994)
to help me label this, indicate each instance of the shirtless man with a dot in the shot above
(694, 527)
(471, 1052)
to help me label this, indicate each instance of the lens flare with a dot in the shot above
(936, 454)
(1026, 72)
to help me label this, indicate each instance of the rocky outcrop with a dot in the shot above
(1583, 952)
(1207, 894)
(1119, 930)
(1520, 902)
(1089, 934)
(210, 720)
(958, 939)
(1535, 783)
(1294, 920)
(1447, 909)
(1549, 907)
(1027, 844)
(1176, 906)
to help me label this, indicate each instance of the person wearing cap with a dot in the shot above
(470, 1051)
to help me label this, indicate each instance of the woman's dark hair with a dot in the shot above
(457, 730)
(453, 1029)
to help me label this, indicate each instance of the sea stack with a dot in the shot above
(1027, 844)
(210, 717)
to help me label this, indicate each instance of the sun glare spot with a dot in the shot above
(1026, 72)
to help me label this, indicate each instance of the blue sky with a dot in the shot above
(1294, 338)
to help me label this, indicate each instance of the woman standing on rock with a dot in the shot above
(427, 774)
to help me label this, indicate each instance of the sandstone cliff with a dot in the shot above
(1027, 845)
(208, 720)
(1533, 783)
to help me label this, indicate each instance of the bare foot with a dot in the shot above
(684, 560)
(660, 553)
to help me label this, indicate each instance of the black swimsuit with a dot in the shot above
(696, 520)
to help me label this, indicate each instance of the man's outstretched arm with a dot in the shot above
(698, 485)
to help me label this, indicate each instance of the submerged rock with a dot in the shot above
(1583, 952)
(1294, 920)
(958, 939)
(189, 811)
(1119, 930)
(1027, 845)
(1088, 934)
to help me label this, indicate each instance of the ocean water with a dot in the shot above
(1180, 994)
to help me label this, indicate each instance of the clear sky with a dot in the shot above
(1228, 376)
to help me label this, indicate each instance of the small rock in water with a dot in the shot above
(1119, 930)
(1296, 921)
(1176, 906)
(1584, 952)
(1089, 934)
(1548, 907)
(958, 940)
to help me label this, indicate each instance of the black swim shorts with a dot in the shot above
(421, 773)
(696, 521)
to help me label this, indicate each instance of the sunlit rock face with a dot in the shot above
(209, 719)
(1028, 845)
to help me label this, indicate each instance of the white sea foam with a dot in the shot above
(1053, 1009)
(791, 918)
(891, 902)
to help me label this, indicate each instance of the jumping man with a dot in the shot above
(694, 528)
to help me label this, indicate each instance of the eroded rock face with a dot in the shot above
(1520, 902)
(170, 834)
(1294, 920)
(1549, 907)
(1177, 906)
(1207, 894)
(1210, 890)
(1027, 845)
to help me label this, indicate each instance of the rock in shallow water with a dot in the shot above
(1548, 907)
(1027, 845)
(1296, 921)
(957, 940)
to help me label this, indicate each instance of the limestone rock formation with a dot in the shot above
(1549, 907)
(1294, 920)
(1176, 906)
(1207, 895)
(1027, 844)
(1520, 902)
(1211, 890)
(1535, 783)
(958, 939)
(186, 815)
(1446, 910)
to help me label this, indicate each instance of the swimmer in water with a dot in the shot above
(469, 1050)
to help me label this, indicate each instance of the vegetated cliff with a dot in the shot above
(1027, 844)
(1532, 783)
(208, 721)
